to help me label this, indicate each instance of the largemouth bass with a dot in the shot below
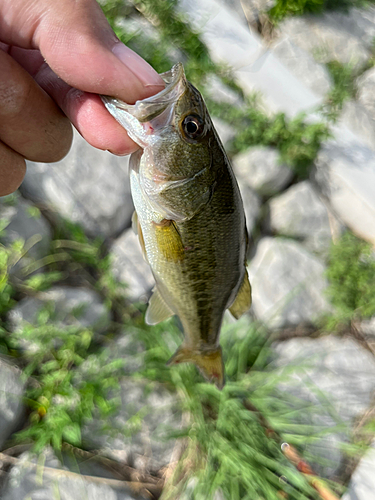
(188, 216)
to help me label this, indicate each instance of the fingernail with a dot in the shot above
(141, 69)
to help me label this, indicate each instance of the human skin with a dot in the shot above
(55, 58)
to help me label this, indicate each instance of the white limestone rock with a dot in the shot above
(145, 445)
(251, 204)
(71, 307)
(357, 118)
(325, 38)
(254, 65)
(24, 222)
(360, 22)
(255, 9)
(52, 480)
(337, 377)
(366, 91)
(367, 327)
(137, 25)
(219, 92)
(303, 65)
(345, 175)
(11, 404)
(362, 482)
(260, 168)
(225, 131)
(130, 267)
(288, 283)
(300, 213)
(88, 187)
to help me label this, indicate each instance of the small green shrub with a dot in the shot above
(285, 8)
(344, 88)
(351, 276)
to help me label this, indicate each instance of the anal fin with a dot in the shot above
(242, 302)
(158, 310)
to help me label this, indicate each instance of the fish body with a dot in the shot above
(189, 217)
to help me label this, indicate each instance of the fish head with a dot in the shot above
(175, 131)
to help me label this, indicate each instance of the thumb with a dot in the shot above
(78, 44)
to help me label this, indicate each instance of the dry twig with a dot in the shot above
(145, 490)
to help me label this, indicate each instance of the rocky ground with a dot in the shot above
(292, 223)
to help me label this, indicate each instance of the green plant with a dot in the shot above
(351, 276)
(285, 8)
(60, 393)
(228, 446)
(344, 88)
(297, 141)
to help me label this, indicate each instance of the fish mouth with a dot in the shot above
(159, 106)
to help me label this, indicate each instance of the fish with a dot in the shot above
(189, 218)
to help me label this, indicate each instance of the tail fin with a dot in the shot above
(210, 364)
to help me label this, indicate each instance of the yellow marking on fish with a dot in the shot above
(169, 240)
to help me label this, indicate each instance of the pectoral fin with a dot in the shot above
(210, 364)
(157, 310)
(242, 302)
(169, 240)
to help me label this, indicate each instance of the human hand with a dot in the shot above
(61, 55)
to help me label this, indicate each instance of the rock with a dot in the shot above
(129, 266)
(288, 283)
(11, 404)
(140, 30)
(254, 66)
(355, 116)
(345, 175)
(49, 480)
(126, 346)
(251, 204)
(138, 431)
(360, 22)
(367, 327)
(366, 91)
(254, 10)
(302, 64)
(237, 10)
(299, 213)
(71, 306)
(260, 169)
(88, 187)
(219, 92)
(325, 38)
(225, 131)
(362, 482)
(24, 222)
(335, 375)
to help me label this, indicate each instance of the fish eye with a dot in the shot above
(193, 126)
